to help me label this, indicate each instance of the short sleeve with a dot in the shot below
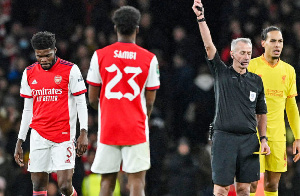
(216, 65)
(261, 106)
(153, 82)
(25, 90)
(93, 76)
(77, 85)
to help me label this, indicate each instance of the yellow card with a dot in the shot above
(263, 153)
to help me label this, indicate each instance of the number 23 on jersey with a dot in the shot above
(109, 94)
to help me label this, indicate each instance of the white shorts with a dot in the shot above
(132, 159)
(48, 156)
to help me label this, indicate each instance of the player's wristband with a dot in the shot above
(201, 20)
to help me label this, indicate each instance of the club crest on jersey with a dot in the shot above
(57, 79)
(283, 79)
(252, 96)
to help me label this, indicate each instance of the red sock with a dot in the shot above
(39, 193)
(73, 194)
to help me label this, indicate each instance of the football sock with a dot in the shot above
(39, 193)
(271, 193)
(73, 194)
(252, 194)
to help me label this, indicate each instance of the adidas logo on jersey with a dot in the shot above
(34, 82)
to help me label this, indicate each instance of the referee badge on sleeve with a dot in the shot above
(252, 96)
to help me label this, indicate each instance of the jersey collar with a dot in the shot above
(238, 74)
(264, 59)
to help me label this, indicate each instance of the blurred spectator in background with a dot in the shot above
(2, 186)
(22, 184)
(64, 14)
(235, 31)
(7, 173)
(5, 17)
(158, 150)
(182, 171)
(181, 85)
(90, 40)
(201, 109)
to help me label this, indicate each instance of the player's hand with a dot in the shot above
(296, 147)
(198, 8)
(19, 153)
(82, 143)
(265, 147)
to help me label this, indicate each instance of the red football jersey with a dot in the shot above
(53, 91)
(124, 71)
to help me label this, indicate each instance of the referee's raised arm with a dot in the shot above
(204, 30)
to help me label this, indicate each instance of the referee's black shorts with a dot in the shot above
(232, 156)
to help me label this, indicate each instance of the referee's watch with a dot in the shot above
(263, 137)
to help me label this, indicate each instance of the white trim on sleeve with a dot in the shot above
(153, 76)
(76, 83)
(93, 75)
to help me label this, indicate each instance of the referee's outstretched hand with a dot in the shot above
(296, 148)
(82, 143)
(198, 8)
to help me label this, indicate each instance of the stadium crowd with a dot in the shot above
(184, 108)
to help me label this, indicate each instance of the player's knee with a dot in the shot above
(271, 186)
(108, 185)
(253, 187)
(242, 191)
(138, 183)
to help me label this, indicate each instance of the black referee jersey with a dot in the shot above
(238, 98)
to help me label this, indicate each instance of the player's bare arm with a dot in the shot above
(82, 142)
(19, 153)
(262, 130)
(93, 94)
(204, 30)
(150, 98)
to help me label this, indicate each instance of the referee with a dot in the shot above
(240, 108)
